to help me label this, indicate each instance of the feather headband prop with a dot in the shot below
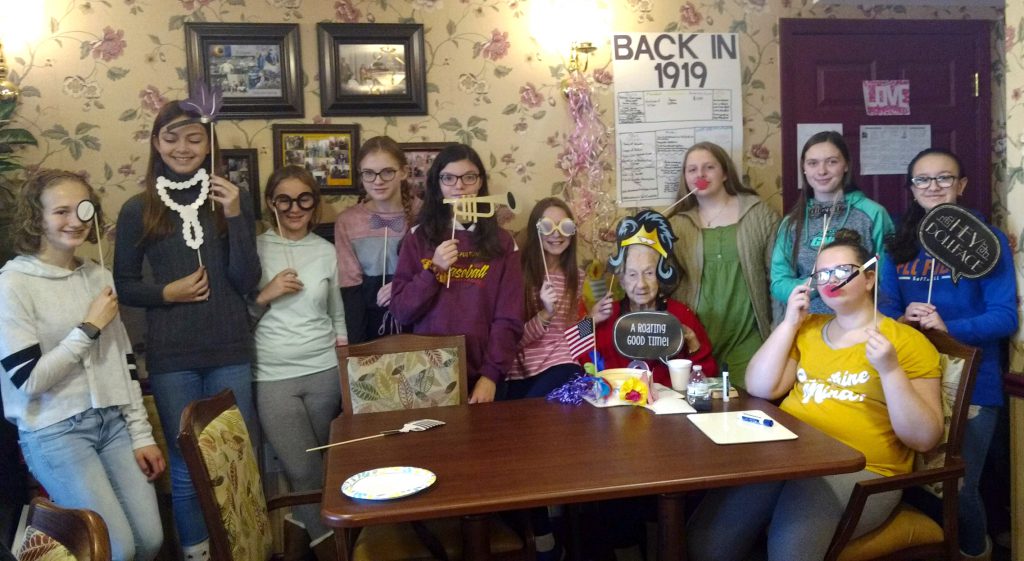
(207, 102)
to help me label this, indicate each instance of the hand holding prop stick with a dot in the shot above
(468, 209)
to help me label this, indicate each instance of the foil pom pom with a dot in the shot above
(576, 390)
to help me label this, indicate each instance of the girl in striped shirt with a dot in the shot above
(551, 281)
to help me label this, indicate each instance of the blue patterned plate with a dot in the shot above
(388, 483)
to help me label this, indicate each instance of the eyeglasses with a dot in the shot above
(369, 176)
(450, 179)
(922, 182)
(547, 226)
(839, 273)
(306, 201)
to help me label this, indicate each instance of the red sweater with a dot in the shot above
(484, 301)
(612, 358)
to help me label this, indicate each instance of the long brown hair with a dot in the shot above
(28, 211)
(301, 174)
(733, 184)
(387, 145)
(533, 266)
(794, 220)
(156, 219)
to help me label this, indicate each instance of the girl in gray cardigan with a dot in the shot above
(726, 234)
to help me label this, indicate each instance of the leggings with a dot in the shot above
(801, 516)
(296, 414)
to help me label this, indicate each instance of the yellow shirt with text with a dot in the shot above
(838, 391)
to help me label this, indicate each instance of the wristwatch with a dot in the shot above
(89, 329)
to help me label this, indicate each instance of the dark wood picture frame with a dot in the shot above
(420, 156)
(327, 151)
(246, 61)
(241, 166)
(372, 69)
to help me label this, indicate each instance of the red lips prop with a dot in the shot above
(701, 183)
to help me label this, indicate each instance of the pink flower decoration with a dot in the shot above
(152, 99)
(759, 152)
(110, 46)
(1011, 38)
(345, 12)
(497, 47)
(529, 96)
(126, 170)
(603, 77)
(689, 15)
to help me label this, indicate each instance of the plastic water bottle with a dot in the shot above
(698, 394)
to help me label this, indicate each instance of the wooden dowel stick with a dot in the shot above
(344, 442)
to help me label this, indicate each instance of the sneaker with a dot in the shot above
(554, 554)
(983, 556)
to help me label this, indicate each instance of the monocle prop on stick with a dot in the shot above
(86, 212)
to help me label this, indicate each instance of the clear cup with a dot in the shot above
(679, 373)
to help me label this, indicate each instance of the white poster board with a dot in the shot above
(672, 90)
(887, 149)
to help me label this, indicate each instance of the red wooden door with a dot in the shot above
(824, 62)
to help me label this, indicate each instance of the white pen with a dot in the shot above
(725, 385)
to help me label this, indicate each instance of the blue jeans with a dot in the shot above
(173, 391)
(86, 461)
(977, 437)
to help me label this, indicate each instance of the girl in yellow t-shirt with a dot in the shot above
(873, 386)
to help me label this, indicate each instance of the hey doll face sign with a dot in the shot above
(960, 241)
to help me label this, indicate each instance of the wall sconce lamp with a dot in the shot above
(580, 53)
(9, 91)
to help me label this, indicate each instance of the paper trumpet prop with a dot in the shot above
(469, 208)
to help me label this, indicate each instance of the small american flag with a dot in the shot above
(580, 337)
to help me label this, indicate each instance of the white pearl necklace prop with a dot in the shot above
(191, 229)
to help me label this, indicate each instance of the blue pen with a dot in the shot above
(756, 419)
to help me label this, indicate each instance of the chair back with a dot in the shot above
(959, 365)
(403, 372)
(59, 534)
(220, 458)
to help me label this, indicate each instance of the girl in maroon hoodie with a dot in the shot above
(483, 299)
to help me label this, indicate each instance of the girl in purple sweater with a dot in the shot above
(484, 299)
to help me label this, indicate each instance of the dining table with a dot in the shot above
(519, 454)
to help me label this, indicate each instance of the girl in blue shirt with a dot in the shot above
(981, 312)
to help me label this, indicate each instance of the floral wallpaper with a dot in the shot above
(98, 71)
(1013, 40)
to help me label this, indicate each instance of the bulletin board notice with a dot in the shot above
(672, 90)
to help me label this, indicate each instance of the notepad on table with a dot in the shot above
(728, 428)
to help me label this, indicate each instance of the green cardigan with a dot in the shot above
(755, 234)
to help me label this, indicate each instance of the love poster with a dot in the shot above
(887, 97)
(960, 241)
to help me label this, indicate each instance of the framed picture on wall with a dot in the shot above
(372, 69)
(255, 65)
(421, 155)
(242, 168)
(327, 151)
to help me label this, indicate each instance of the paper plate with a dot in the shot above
(388, 483)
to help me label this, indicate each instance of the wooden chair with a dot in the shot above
(909, 533)
(403, 372)
(59, 534)
(410, 372)
(220, 458)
